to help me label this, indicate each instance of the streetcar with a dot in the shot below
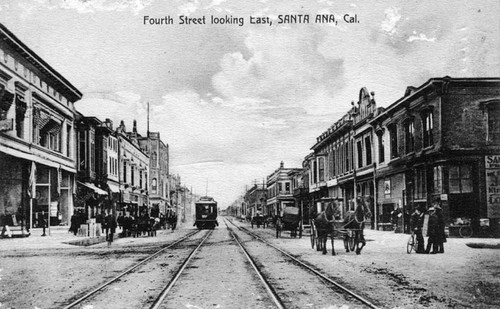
(206, 213)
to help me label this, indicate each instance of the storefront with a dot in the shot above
(50, 187)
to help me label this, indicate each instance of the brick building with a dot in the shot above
(435, 143)
(158, 154)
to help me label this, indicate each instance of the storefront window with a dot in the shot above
(438, 181)
(420, 185)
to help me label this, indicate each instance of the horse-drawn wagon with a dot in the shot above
(289, 221)
(350, 229)
(258, 220)
(348, 235)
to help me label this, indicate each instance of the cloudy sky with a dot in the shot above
(233, 101)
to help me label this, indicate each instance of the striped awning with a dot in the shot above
(92, 187)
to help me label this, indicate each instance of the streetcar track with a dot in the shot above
(127, 271)
(272, 293)
(309, 268)
(159, 301)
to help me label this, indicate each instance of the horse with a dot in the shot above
(355, 221)
(324, 223)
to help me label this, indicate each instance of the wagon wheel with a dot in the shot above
(313, 236)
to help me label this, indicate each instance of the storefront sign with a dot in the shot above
(493, 185)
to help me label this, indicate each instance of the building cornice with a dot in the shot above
(67, 88)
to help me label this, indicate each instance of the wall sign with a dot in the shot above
(493, 185)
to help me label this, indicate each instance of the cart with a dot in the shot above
(340, 232)
(290, 221)
(258, 220)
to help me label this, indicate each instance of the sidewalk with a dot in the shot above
(60, 237)
(57, 237)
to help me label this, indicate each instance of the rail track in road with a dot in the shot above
(92, 293)
(159, 301)
(331, 282)
(271, 292)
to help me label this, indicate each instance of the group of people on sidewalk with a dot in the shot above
(107, 221)
(435, 229)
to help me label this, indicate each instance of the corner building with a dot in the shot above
(441, 141)
(37, 138)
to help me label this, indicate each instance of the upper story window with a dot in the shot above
(69, 141)
(346, 157)
(140, 179)
(154, 186)
(381, 147)
(124, 172)
(428, 125)
(46, 130)
(368, 150)
(393, 136)
(360, 153)
(315, 172)
(154, 159)
(493, 123)
(460, 179)
(321, 169)
(132, 176)
(92, 151)
(409, 131)
(287, 187)
(332, 164)
(21, 108)
(82, 153)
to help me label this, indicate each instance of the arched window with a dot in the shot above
(154, 186)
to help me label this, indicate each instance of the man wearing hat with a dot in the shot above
(435, 229)
(440, 233)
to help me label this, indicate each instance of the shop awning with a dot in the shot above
(91, 186)
(114, 188)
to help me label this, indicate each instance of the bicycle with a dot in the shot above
(412, 243)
